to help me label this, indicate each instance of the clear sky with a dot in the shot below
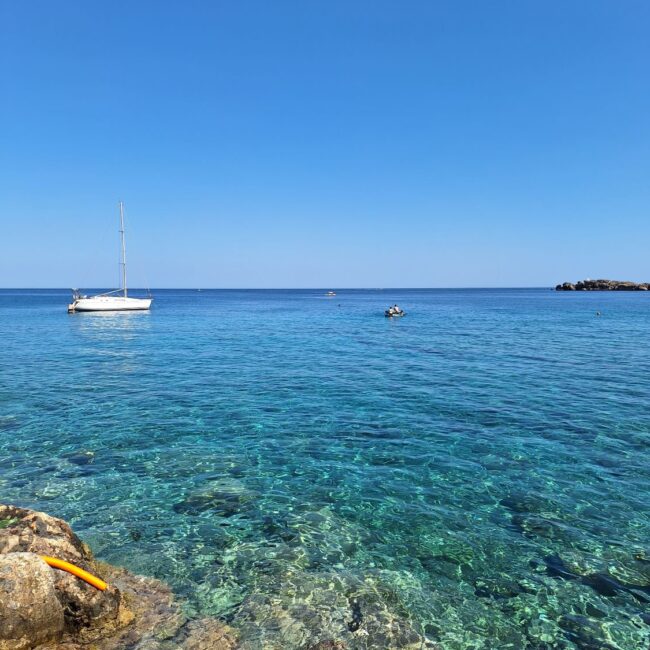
(333, 143)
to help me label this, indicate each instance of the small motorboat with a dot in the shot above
(330, 293)
(391, 313)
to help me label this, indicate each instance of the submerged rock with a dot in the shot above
(223, 498)
(584, 632)
(81, 457)
(602, 583)
(526, 503)
(497, 588)
(357, 616)
(453, 550)
(533, 526)
(317, 611)
(40, 605)
(224, 505)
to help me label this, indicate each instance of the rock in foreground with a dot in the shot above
(51, 609)
(31, 614)
(603, 285)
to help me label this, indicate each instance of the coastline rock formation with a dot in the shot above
(41, 607)
(48, 609)
(603, 285)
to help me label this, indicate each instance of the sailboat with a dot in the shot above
(117, 300)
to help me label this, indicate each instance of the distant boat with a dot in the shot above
(109, 301)
(330, 293)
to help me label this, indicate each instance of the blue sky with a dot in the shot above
(325, 144)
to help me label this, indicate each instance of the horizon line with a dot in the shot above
(324, 288)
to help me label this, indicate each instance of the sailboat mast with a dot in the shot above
(123, 262)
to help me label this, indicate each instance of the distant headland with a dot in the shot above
(603, 285)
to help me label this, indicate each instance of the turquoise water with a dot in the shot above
(475, 474)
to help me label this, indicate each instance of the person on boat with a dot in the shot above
(396, 309)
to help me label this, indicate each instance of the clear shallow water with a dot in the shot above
(476, 473)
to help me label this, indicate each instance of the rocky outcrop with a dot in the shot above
(603, 285)
(310, 608)
(41, 607)
(29, 608)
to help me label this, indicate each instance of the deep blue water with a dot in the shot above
(476, 472)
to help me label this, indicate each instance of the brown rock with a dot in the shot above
(37, 532)
(208, 634)
(41, 605)
(30, 611)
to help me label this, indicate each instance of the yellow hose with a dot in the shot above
(96, 582)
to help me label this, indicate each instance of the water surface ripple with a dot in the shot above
(475, 473)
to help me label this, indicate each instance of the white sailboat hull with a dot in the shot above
(110, 303)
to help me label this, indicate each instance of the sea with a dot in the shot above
(474, 475)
